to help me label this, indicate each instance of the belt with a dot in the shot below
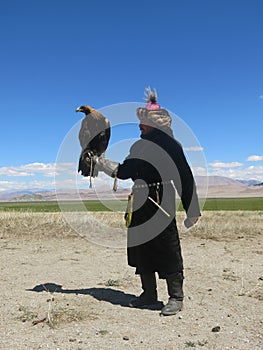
(154, 184)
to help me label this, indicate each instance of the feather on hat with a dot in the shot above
(151, 99)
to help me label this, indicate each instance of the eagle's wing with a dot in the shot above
(95, 128)
(94, 137)
(103, 138)
(85, 132)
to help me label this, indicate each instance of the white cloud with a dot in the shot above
(5, 185)
(12, 171)
(64, 175)
(218, 164)
(247, 173)
(35, 175)
(261, 97)
(47, 170)
(236, 170)
(199, 171)
(33, 169)
(28, 170)
(254, 158)
(25, 185)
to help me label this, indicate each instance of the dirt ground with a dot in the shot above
(60, 291)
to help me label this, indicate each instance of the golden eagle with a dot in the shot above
(94, 136)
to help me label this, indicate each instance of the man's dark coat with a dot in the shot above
(158, 166)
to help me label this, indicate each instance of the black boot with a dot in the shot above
(176, 295)
(149, 294)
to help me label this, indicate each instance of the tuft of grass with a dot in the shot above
(202, 342)
(191, 344)
(56, 315)
(230, 275)
(102, 332)
(113, 283)
(26, 314)
(63, 315)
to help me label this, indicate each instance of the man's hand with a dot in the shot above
(190, 221)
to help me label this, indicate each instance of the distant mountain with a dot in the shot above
(32, 197)
(222, 181)
(66, 195)
(17, 194)
(216, 181)
(207, 187)
(251, 182)
(224, 187)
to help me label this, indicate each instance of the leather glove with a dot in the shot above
(86, 163)
(107, 166)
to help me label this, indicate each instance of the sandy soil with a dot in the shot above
(60, 291)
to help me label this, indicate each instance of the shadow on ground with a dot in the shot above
(110, 295)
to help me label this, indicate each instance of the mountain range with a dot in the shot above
(207, 187)
(224, 187)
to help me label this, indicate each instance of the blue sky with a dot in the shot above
(204, 57)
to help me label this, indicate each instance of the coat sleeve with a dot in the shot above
(185, 184)
(127, 169)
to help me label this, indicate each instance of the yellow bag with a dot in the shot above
(128, 212)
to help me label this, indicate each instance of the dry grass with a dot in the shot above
(24, 224)
(214, 225)
(229, 225)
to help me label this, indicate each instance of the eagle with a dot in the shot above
(94, 136)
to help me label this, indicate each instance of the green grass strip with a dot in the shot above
(211, 204)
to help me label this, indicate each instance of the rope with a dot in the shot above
(90, 173)
(115, 184)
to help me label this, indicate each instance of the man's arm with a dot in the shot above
(187, 188)
(123, 171)
(107, 166)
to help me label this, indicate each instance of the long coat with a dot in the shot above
(157, 165)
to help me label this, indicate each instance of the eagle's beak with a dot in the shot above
(78, 109)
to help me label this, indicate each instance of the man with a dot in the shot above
(158, 167)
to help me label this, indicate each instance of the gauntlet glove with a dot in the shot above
(107, 166)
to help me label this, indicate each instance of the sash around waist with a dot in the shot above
(153, 184)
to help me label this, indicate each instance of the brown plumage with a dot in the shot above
(94, 136)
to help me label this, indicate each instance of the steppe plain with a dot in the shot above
(63, 290)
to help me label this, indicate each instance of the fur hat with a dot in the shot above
(158, 117)
(153, 114)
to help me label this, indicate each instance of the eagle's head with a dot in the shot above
(85, 109)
